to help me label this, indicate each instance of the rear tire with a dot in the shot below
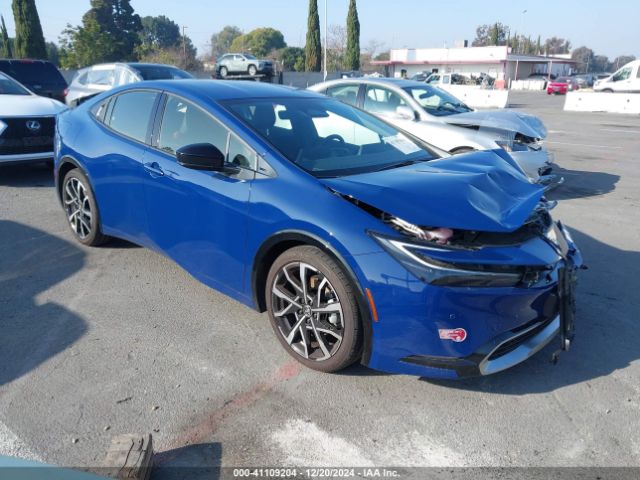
(81, 209)
(324, 332)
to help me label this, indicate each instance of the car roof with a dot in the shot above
(393, 82)
(224, 89)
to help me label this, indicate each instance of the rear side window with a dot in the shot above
(101, 77)
(344, 93)
(131, 114)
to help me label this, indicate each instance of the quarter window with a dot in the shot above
(184, 124)
(241, 155)
(131, 113)
(344, 93)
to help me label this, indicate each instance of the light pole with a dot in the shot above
(521, 44)
(184, 47)
(326, 29)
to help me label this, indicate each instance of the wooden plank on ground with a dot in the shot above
(129, 457)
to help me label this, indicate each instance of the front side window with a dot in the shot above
(623, 74)
(344, 93)
(184, 124)
(329, 138)
(131, 114)
(436, 101)
(382, 101)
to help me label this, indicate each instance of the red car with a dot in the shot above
(562, 85)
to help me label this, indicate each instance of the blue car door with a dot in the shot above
(199, 218)
(116, 171)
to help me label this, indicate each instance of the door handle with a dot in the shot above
(154, 169)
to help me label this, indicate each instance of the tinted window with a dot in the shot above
(382, 101)
(184, 124)
(33, 72)
(344, 93)
(131, 113)
(160, 72)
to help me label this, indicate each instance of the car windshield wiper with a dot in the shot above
(404, 163)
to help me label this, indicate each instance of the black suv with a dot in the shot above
(39, 76)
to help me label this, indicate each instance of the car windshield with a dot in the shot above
(436, 101)
(328, 138)
(9, 86)
(160, 72)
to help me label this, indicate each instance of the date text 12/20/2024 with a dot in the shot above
(315, 473)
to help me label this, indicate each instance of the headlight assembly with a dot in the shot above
(415, 257)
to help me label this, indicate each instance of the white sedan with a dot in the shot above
(445, 122)
(27, 123)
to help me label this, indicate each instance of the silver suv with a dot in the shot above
(243, 64)
(91, 81)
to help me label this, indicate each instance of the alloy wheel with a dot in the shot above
(308, 311)
(78, 207)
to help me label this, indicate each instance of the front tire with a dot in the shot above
(81, 209)
(253, 70)
(313, 310)
(224, 72)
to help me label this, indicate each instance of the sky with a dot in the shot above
(610, 28)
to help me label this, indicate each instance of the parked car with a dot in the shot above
(94, 80)
(361, 241)
(439, 118)
(625, 80)
(585, 80)
(27, 123)
(562, 85)
(39, 76)
(243, 64)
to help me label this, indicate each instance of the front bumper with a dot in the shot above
(533, 162)
(504, 325)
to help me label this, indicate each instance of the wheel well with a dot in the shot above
(65, 167)
(276, 246)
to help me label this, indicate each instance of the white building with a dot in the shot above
(498, 62)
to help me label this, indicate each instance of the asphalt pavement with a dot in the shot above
(95, 342)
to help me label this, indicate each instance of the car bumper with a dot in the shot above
(26, 158)
(503, 326)
(534, 162)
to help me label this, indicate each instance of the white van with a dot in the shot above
(627, 79)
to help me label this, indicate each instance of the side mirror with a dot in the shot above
(405, 112)
(201, 156)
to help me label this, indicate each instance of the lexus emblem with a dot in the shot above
(33, 125)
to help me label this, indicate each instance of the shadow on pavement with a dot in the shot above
(199, 461)
(581, 184)
(31, 262)
(605, 341)
(27, 175)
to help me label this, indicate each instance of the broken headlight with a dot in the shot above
(419, 260)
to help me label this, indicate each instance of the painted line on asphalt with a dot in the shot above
(585, 145)
(12, 446)
(620, 130)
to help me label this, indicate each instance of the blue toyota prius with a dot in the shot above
(361, 242)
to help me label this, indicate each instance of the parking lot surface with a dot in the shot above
(95, 342)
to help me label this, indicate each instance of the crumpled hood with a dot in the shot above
(514, 122)
(475, 191)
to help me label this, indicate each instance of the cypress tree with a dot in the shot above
(29, 41)
(352, 54)
(5, 45)
(312, 49)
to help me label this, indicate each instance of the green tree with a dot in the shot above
(259, 42)
(488, 35)
(53, 54)
(222, 40)
(5, 42)
(556, 46)
(110, 32)
(313, 49)
(29, 42)
(583, 57)
(160, 32)
(352, 54)
(292, 58)
(621, 61)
